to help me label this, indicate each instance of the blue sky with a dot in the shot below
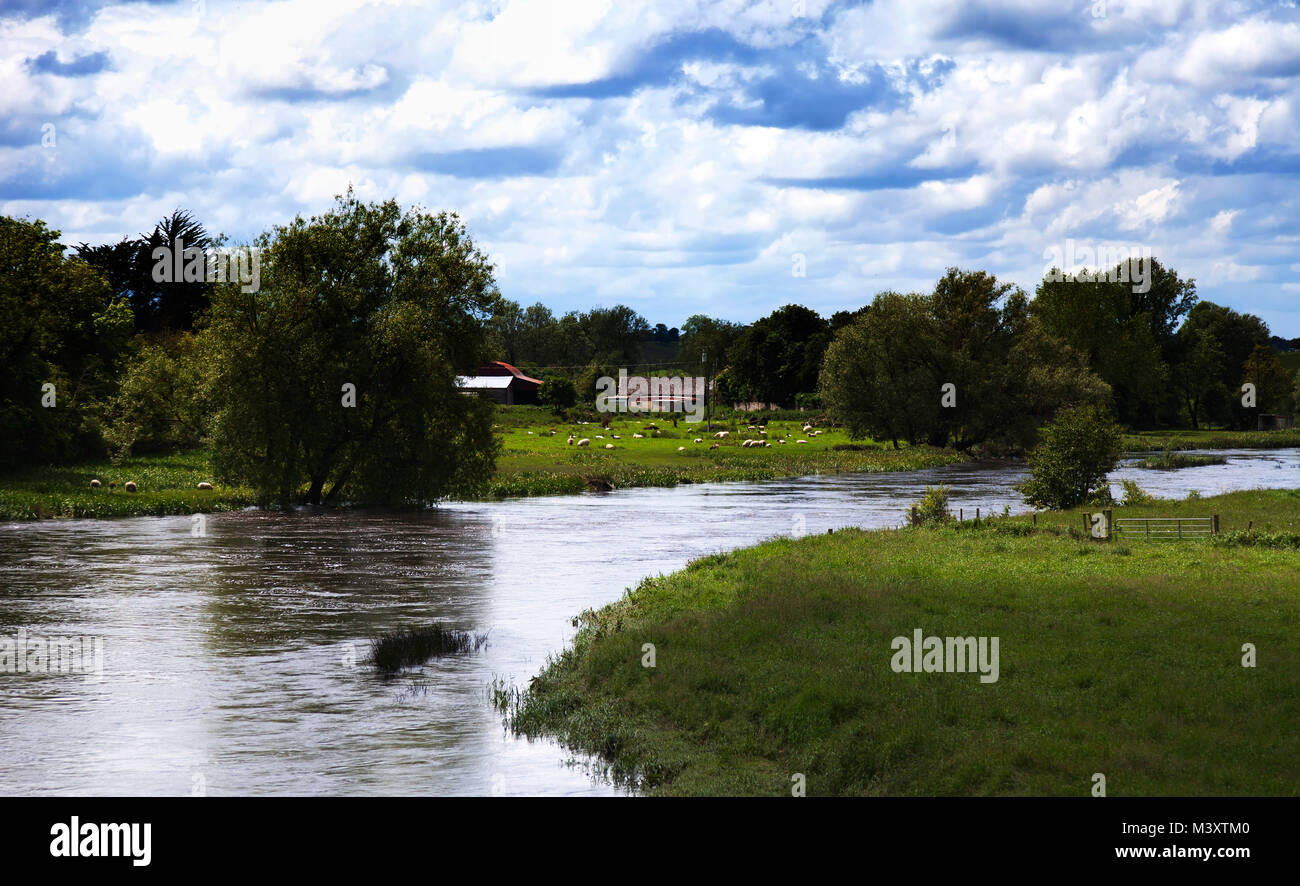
(686, 157)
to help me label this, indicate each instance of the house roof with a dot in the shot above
(501, 368)
(485, 382)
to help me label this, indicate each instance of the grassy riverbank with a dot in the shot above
(166, 483)
(1148, 441)
(533, 462)
(1118, 658)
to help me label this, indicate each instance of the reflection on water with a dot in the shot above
(227, 657)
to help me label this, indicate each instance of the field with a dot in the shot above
(1124, 659)
(535, 463)
(166, 485)
(1147, 441)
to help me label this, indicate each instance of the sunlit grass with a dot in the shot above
(1123, 658)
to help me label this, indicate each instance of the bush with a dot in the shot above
(558, 392)
(932, 508)
(1076, 450)
(1135, 494)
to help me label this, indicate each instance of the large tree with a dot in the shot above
(132, 270)
(887, 373)
(60, 325)
(1126, 335)
(779, 356)
(339, 374)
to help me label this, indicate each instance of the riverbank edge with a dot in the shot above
(641, 753)
(23, 506)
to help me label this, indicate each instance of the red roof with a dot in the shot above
(497, 367)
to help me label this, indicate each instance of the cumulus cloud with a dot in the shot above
(678, 155)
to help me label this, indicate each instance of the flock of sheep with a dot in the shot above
(751, 443)
(130, 486)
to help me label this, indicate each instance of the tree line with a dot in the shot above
(336, 377)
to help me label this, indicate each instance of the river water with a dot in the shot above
(233, 662)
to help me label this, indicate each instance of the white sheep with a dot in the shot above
(801, 441)
(205, 485)
(638, 436)
(584, 442)
(681, 448)
(698, 440)
(130, 486)
(609, 445)
(95, 484)
(721, 434)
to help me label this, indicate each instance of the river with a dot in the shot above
(233, 662)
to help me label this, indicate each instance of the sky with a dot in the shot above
(686, 157)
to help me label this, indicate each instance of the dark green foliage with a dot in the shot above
(60, 325)
(1076, 450)
(392, 304)
(414, 646)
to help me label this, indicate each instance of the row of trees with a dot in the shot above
(337, 376)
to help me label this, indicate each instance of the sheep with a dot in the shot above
(112, 484)
(609, 445)
(698, 440)
(584, 442)
(615, 437)
(638, 436)
(801, 441)
(600, 436)
(721, 434)
(95, 484)
(807, 428)
(205, 485)
(129, 486)
(681, 448)
(714, 446)
(570, 439)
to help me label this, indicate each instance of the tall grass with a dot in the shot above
(414, 646)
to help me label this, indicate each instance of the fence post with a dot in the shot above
(1214, 530)
(1109, 519)
(914, 520)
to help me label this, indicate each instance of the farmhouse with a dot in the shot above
(502, 383)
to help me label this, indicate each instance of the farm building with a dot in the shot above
(501, 382)
(1267, 422)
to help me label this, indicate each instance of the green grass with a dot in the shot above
(165, 485)
(1147, 441)
(1171, 460)
(1119, 658)
(533, 463)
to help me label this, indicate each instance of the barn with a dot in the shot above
(502, 383)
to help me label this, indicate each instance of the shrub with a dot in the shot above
(932, 507)
(1076, 450)
(1135, 494)
(558, 392)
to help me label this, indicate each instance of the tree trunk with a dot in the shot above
(313, 494)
